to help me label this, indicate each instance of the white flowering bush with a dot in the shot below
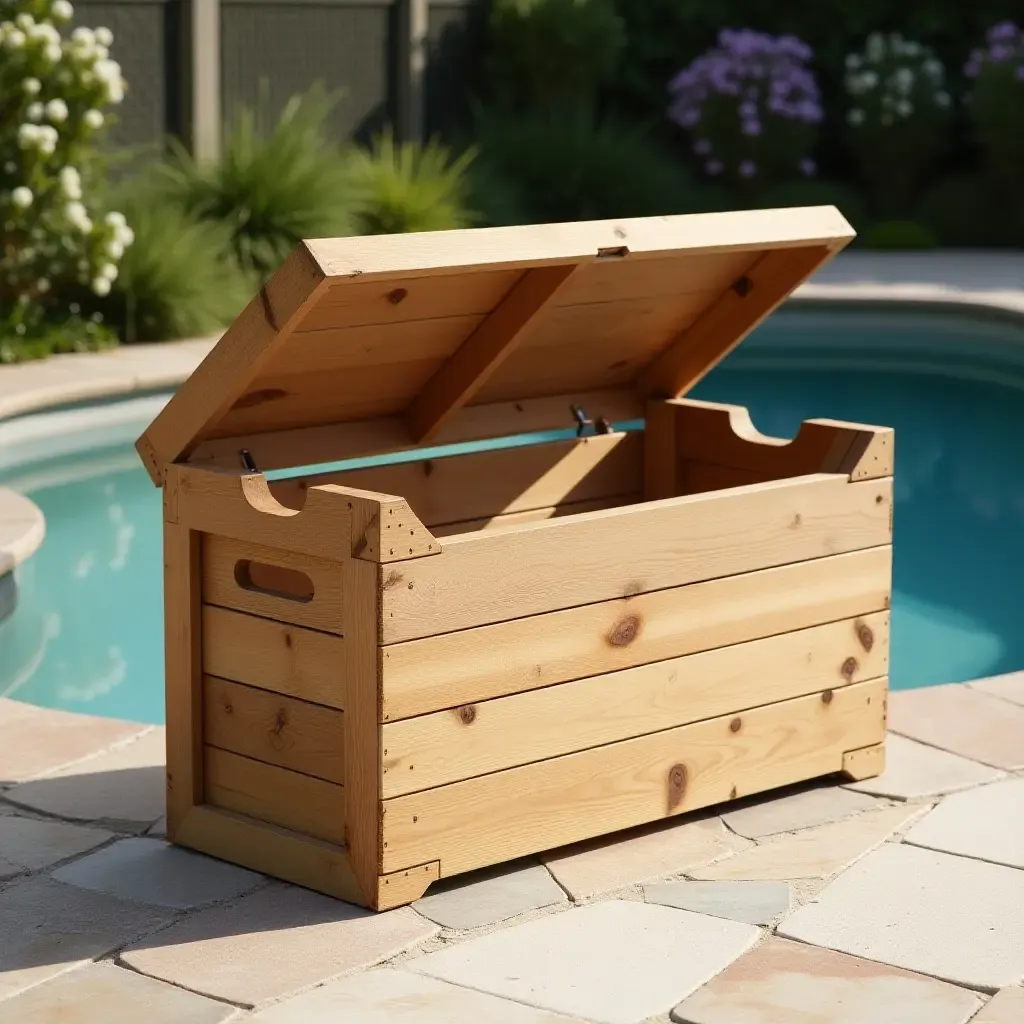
(56, 90)
(898, 114)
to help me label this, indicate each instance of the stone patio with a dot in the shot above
(897, 899)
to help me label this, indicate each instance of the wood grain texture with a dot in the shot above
(183, 673)
(866, 763)
(275, 795)
(489, 736)
(270, 727)
(488, 484)
(446, 671)
(277, 656)
(222, 559)
(661, 454)
(484, 351)
(603, 555)
(272, 850)
(535, 515)
(524, 810)
(402, 887)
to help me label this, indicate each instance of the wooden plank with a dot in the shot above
(489, 736)
(483, 485)
(362, 731)
(262, 329)
(661, 456)
(446, 671)
(275, 795)
(312, 446)
(866, 763)
(535, 515)
(603, 555)
(224, 558)
(484, 351)
(271, 850)
(540, 806)
(287, 659)
(702, 477)
(725, 324)
(402, 887)
(183, 674)
(271, 727)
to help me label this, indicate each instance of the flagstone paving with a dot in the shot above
(1010, 687)
(904, 911)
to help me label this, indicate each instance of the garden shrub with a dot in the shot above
(407, 187)
(898, 234)
(544, 51)
(817, 192)
(751, 105)
(55, 92)
(898, 115)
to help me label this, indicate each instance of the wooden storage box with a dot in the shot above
(381, 676)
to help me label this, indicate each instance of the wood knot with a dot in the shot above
(228, 708)
(467, 714)
(826, 697)
(280, 721)
(735, 725)
(428, 467)
(625, 631)
(849, 667)
(865, 635)
(797, 522)
(397, 295)
(288, 640)
(677, 776)
(733, 793)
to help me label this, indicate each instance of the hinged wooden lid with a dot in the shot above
(372, 344)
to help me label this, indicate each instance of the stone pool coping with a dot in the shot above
(22, 529)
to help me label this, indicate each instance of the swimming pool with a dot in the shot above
(87, 634)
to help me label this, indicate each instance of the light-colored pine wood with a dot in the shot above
(489, 736)
(278, 656)
(271, 850)
(661, 456)
(402, 887)
(261, 330)
(489, 484)
(537, 807)
(311, 446)
(535, 515)
(866, 763)
(271, 727)
(226, 560)
(702, 477)
(495, 575)
(726, 323)
(446, 671)
(466, 372)
(183, 673)
(268, 793)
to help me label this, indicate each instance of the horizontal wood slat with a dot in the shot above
(421, 676)
(535, 515)
(268, 793)
(287, 659)
(550, 803)
(221, 558)
(447, 746)
(270, 727)
(496, 575)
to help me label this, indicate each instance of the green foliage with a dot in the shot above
(565, 165)
(545, 51)
(399, 188)
(272, 187)
(964, 210)
(899, 234)
(817, 192)
(73, 334)
(175, 281)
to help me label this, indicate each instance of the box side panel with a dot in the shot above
(511, 813)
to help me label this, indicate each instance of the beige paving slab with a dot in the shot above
(750, 902)
(962, 720)
(106, 994)
(783, 982)
(640, 855)
(28, 844)
(49, 928)
(400, 997)
(913, 770)
(22, 529)
(1005, 1007)
(814, 852)
(951, 917)
(815, 805)
(38, 740)
(273, 943)
(124, 786)
(615, 962)
(987, 823)
(1009, 687)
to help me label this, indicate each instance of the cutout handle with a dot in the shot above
(274, 581)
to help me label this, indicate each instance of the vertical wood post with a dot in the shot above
(410, 106)
(203, 109)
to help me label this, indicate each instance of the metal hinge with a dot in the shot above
(600, 424)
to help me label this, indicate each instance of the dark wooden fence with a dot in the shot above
(190, 63)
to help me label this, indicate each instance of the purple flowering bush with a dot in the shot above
(997, 101)
(752, 106)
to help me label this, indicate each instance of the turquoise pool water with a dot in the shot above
(87, 632)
